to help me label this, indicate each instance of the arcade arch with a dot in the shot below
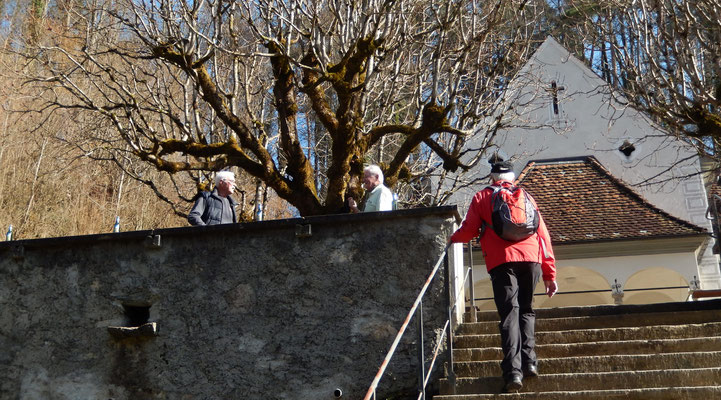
(594, 287)
(579, 286)
(655, 277)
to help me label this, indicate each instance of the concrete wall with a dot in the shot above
(245, 311)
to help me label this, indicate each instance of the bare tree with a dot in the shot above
(299, 94)
(663, 57)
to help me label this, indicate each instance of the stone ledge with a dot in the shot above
(704, 294)
(122, 332)
(148, 236)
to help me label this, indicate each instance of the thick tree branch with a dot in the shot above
(286, 104)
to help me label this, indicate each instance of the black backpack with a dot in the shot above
(513, 213)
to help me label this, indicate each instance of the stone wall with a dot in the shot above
(289, 309)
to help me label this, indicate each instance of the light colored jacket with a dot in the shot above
(379, 199)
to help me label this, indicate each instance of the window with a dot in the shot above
(628, 149)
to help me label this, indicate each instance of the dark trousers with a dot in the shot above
(513, 286)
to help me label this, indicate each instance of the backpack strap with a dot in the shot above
(493, 189)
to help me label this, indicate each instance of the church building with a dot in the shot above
(625, 201)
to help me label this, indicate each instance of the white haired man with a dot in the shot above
(380, 198)
(515, 267)
(216, 207)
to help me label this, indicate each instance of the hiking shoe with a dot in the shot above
(530, 371)
(513, 384)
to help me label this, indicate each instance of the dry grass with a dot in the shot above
(49, 187)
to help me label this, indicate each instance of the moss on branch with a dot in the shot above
(434, 118)
(708, 123)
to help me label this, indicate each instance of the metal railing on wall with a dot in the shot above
(613, 291)
(452, 303)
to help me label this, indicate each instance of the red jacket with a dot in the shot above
(497, 251)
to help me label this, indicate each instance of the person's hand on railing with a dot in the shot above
(551, 287)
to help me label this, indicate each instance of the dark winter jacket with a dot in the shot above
(208, 209)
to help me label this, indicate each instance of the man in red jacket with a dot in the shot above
(515, 268)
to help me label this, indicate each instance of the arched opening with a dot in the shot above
(656, 277)
(577, 286)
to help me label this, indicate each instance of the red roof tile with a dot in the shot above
(582, 202)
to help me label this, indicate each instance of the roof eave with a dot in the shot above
(629, 247)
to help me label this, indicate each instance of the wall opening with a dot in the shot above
(136, 315)
(137, 323)
(627, 148)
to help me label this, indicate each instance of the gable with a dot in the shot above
(591, 120)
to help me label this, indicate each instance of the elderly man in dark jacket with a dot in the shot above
(216, 207)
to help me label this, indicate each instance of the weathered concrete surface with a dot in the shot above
(596, 335)
(665, 393)
(247, 311)
(619, 362)
(581, 381)
(605, 321)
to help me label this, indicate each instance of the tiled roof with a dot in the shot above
(582, 202)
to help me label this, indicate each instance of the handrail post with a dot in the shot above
(716, 220)
(421, 355)
(474, 317)
(449, 292)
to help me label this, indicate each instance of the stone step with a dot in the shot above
(655, 346)
(601, 322)
(577, 311)
(658, 351)
(608, 363)
(598, 335)
(665, 393)
(592, 381)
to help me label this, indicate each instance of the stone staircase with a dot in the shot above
(645, 352)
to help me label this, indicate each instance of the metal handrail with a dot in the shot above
(471, 291)
(448, 325)
(469, 272)
(435, 355)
